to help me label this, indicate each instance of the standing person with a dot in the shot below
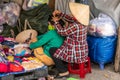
(75, 47)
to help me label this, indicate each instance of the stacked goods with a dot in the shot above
(102, 38)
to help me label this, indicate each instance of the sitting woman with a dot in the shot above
(43, 43)
(75, 47)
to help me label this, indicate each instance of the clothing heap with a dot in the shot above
(15, 54)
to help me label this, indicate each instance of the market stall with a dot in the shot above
(17, 60)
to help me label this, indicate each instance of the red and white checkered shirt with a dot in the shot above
(75, 47)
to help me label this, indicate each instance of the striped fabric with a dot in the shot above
(75, 47)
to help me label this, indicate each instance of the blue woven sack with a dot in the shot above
(102, 49)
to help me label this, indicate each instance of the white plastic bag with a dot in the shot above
(101, 26)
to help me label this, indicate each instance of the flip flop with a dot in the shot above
(65, 76)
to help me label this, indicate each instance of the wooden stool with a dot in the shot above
(80, 69)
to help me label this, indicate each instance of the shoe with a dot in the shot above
(52, 73)
(62, 75)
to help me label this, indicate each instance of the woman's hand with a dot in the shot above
(32, 40)
(55, 19)
(56, 12)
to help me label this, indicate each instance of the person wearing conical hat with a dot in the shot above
(75, 47)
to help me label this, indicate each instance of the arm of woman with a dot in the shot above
(68, 18)
(43, 40)
(67, 30)
(39, 37)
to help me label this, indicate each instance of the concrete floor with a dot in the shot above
(97, 74)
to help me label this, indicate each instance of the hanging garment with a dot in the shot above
(62, 5)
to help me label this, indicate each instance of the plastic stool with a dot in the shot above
(81, 68)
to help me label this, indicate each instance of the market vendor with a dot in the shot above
(75, 47)
(43, 44)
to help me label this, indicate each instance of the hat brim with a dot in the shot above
(80, 12)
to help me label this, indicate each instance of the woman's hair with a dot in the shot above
(62, 23)
(50, 19)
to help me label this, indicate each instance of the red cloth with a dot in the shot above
(3, 68)
(15, 67)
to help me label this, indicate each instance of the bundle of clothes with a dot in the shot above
(16, 57)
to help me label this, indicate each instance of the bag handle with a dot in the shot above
(27, 24)
(19, 26)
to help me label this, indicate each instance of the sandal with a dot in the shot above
(52, 73)
(63, 75)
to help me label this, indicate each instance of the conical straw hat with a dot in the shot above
(80, 12)
(26, 34)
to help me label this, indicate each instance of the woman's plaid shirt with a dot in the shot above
(75, 47)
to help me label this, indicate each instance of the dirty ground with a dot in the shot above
(107, 74)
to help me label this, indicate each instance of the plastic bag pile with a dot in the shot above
(102, 26)
(9, 13)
